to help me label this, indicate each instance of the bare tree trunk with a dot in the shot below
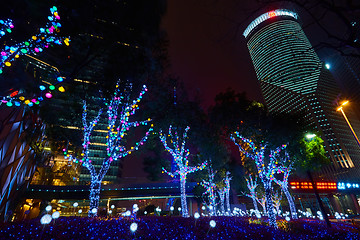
(322, 209)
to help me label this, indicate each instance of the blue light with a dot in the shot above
(42, 88)
(341, 185)
(60, 79)
(327, 65)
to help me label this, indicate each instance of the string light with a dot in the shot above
(119, 110)
(210, 189)
(285, 169)
(266, 171)
(45, 38)
(262, 201)
(227, 180)
(180, 155)
(252, 184)
(37, 43)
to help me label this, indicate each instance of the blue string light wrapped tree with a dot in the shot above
(285, 169)
(180, 155)
(210, 190)
(262, 201)
(224, 194)
(266, 169)
(119, 110)
(227, 191)
(252, 184)
(221, 192)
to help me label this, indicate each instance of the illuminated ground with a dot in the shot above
(176, 228)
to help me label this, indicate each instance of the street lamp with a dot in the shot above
(310, 135)
(340, 108)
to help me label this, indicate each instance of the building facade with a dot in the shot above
(293, 79)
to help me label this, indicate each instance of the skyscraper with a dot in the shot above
(293, 79)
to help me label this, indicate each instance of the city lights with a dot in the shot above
(344, 186)
(319, 185)
(340, 108)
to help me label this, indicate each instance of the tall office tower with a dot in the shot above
(293, 79)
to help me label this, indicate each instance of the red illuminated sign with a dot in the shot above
(272, 14)
(319, 185)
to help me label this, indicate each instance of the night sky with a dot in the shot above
(207, 50)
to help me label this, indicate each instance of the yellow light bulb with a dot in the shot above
(61, 89)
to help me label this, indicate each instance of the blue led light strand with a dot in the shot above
(210, 190)
(252, 184)
(266, 171)
(119, 111)
(180, 155)
(227, 180)
(285, 167)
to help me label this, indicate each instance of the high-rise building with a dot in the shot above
(293, 79)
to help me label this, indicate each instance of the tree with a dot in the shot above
(266, 169)
(262, 202)
(277, 201)
(312, 157)
(221, 192)
(180, 155)
(119, 110)
(252, 184)
(227, 191)
(210, 190)
(285, 168)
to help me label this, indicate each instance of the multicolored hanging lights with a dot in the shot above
(46, 37)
